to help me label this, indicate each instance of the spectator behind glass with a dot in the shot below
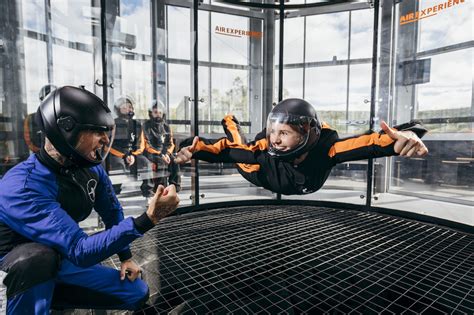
(160, 146)
(126, 152)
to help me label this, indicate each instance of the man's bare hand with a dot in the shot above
(130, 160)
(130, 269)
(185, 154)
(163, 203)
(407, 143)
(166, 159)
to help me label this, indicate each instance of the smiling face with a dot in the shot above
(126, 108)
(91, 144)
(283, 137)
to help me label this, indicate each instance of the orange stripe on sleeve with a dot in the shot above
(249, 168)
(359, 142)
(142, 145)
(224, 143)
(116, 153)
(231, 126)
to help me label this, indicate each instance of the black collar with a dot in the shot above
(52, 164)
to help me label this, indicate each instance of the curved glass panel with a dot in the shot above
(432, 83)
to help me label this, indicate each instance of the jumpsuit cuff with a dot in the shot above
(143, 223)
(125, 255)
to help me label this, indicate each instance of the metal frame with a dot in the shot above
(392, 212)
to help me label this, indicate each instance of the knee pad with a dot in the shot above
(28, 265)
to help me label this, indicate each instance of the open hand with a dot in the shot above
(185, 154)
(407, 142)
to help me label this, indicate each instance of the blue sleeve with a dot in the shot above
(30, 209)
(108, 206)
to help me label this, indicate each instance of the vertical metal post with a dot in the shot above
(370, 166)
(49, 40)
(280, 59)
(195, 97)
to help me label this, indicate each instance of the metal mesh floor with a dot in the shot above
(304, 259)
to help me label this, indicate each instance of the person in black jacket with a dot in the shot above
(296, 151)
(159, 148)
(129, 145)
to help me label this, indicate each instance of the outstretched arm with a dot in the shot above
(404, 142)
(221, 150)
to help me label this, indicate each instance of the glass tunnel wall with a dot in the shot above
(142, 51)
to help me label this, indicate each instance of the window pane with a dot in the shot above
(293, 83)
(229, 95)
(451, 25)
(33, 15)
(359, 98)
(449, 92)
(327, 36)
(73, 67)
(135, 20)
(326, 89)
(226, 47)
(36, 73)
(179, 91)
(362, 25)
(178, 33)
(293, 40)
(136, 82)
(71, 20)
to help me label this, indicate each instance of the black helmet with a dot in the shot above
(45, 90)
(304, 128)
(158, 105)
(66, 112)
(122, 101)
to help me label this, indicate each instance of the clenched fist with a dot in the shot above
(163, 203)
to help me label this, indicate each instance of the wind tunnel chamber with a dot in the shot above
(385, 247)
(388, 235)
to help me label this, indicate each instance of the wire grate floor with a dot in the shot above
(305, 259)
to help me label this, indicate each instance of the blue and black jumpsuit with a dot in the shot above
(46, 259)
(280, 176)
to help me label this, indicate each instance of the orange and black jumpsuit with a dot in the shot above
(280, 176)
(159, 142)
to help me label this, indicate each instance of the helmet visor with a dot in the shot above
(287, 133)
(93, 144)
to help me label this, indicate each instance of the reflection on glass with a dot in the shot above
(229, 46)
(135, 20)
(449, 92)
(71, 20)
(178, 32)
(229, 95)
(444, 27)
(136, 83)
(33, 15)
(36, 69)
(73, 67)
(179, 92)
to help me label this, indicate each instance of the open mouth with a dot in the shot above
(95, 154)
